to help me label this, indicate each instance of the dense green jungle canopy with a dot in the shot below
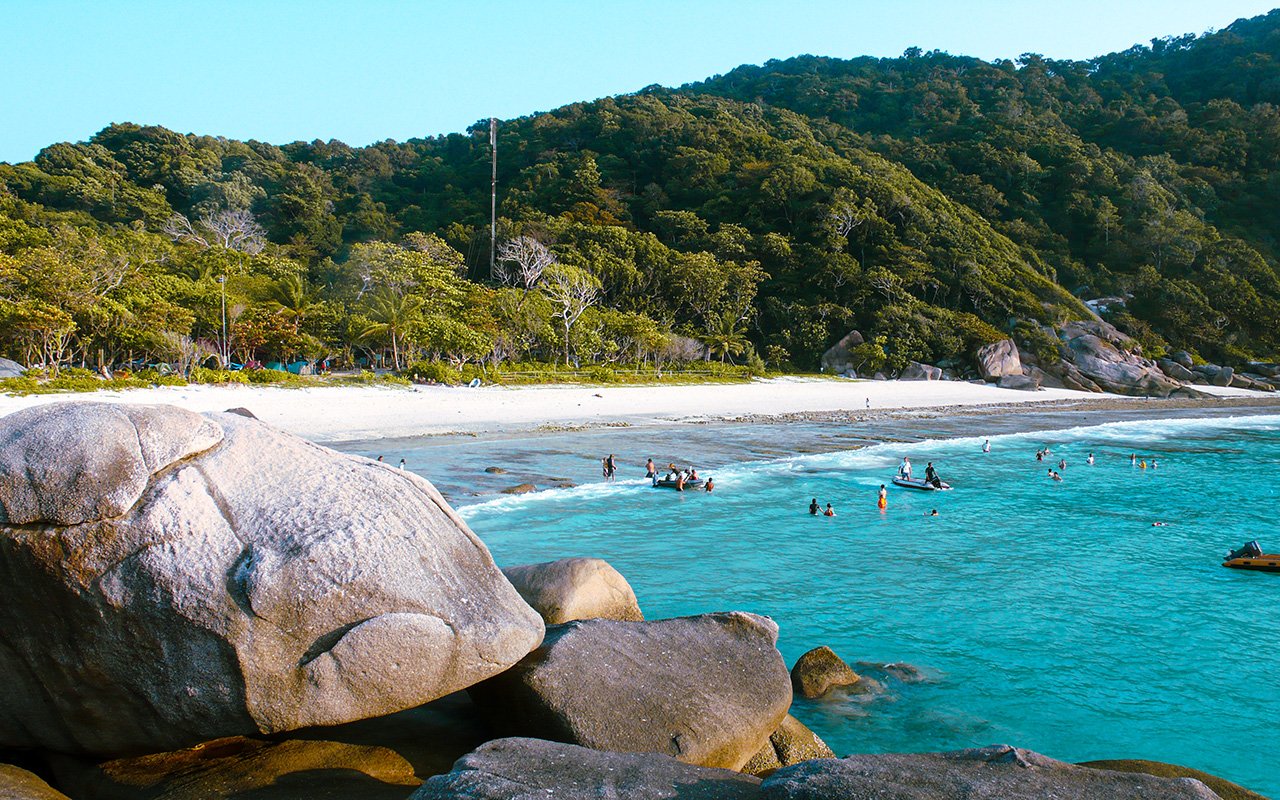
(933, 202)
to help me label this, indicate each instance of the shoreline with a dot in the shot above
(338, 414)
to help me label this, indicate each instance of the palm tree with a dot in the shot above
(294, 300)
(725, 336)
(392, 314)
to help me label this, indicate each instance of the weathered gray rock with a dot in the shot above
(839, 359)
(11, 369)
(1188, 393)
(1223, 376)
(898, 670)
(18, 784)
(1224, 788)
(522, 488)
(999, 359)
(524, 769)
(1025, 383)
(819, 671)
(170, 578)
(1265, 369)
(791, 743)
(1256, 383)
(1182, 358)
(385, 757)
(880, 376)
(1113, 361)
(708, 690)
(1175, 370)
(575, 588)
(915, 371)
(990, 773)
(1044, 379)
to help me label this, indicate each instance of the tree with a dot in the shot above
(523, 261)
(725, 337)
(392, 315)
(572, 291)
(230, 229)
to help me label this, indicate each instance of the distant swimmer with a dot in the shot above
(1089, 460)
(1153, 463)
(1133, 459)
(1159, 524)
(932, 513)
(830, 512)
(1055, 475)
(1062, 463)
(1142, 464)
(986, 446)
(814, 508)
(883, 502)
(379, 459)
(1039, 455)
(710, 484)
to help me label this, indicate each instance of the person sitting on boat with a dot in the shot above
(814, 508)
(931, 476)
(693, 473)
(904, 471)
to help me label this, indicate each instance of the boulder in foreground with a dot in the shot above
(529, 768)
(575, 588)
(708, 690)
(18, 784)
(169, 578)
(791, 743)
(999, 773)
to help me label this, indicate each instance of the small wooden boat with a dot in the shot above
(919, 483)
(1251, 557)
(666, 484)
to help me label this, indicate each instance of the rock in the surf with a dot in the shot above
(1000, 772)
(520, 488)
(791, 743)
(898, 670)
(819, 671)
(708, 690)
(575, 588)
(18, 784)
(529, 768)
(170, 578)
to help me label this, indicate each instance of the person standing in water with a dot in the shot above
(883, 501)
(830, 512)
(1062, 463)
(814, 508)
(710, 484)
(986, 446)
(1133, 459)
(1089, 460)
(650, 469)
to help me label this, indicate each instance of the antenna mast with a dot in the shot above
(493, 200)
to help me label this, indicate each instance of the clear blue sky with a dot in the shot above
(283, 70)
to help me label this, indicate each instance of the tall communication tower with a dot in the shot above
(493, 200)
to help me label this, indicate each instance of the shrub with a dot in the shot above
(263, 376)
(434, 371)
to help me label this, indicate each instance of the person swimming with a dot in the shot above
(1089, 460)
(1062, 463)
(882, 502)
(830, 512)
(932, 513)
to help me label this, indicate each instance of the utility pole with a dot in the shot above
(493, 200)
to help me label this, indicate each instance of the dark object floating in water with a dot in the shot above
(666, 484)
(1251, 557)
(919, 483)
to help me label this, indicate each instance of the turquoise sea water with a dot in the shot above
(1053, 616)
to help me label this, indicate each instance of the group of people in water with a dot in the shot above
(677, 477)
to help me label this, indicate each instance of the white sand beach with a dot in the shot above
(348, 413)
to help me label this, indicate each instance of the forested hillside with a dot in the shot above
(934, 202)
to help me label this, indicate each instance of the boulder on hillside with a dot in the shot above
(708, 690)
(575, 588)
(791, 743)
(385, 757)
(999, 359)
(10, 369)
(529, 768)
(1175, 370)
(1112, 360)
(18, 784)
(819, 671)
(915, 371)
(1000, 772)
(1044, 379)
(839, 360)
(1182, 358)
(1025, 383)
(1256, 383)
(171, 578)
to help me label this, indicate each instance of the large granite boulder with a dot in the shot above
(11, 369)
(1022, 383)
(915, 371)
(999, 359)
(995, 773)
(167, 578)
(819, 671)
(708, 690)
(523, 769)
(575, 588)
(1223, 788)
(1113, 361)
(791, 743)
(1175, 370)
(839, 360)
(18, 784)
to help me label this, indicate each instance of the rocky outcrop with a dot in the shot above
(1112, 360)
(575, 588)
(386, 757)
(915, 371)
(528, 768)
(169, 578)
(1175, 370)
(18, 784)
(791, 743)
(521, 488)
(10, 369)
(1000, 772)
(708, 690)
(819, 671)
(839, 360)
(1025, 383)
(1223, 788)
(999, 359)
(897, 670)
